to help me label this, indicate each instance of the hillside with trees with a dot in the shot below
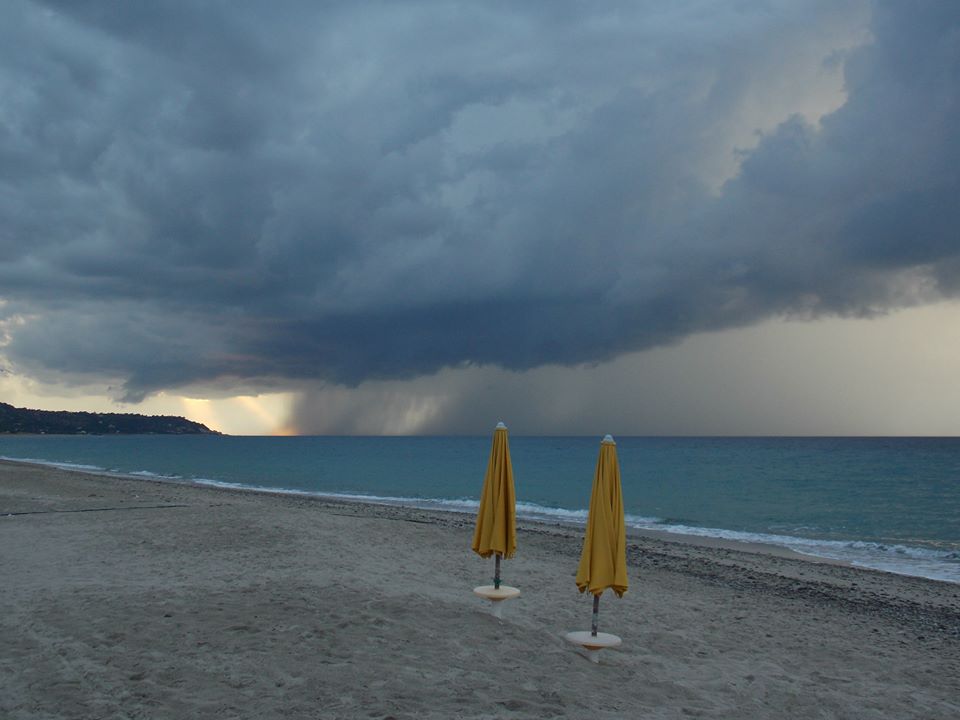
(60, 422)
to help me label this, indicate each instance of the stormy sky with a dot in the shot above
(418, 216)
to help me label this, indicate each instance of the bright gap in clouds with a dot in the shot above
(806, 79)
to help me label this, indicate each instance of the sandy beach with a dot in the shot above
(126, 598)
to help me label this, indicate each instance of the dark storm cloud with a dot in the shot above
(194, 193)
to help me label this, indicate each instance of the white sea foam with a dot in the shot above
(61, 465)
(95, 469)
(153, 475)
(889, 557)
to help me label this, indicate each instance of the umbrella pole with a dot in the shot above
(596, 615)
(496, 573)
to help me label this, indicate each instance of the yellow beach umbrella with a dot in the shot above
(496, 531)
(603, 561)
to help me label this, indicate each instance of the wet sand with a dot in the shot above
(138, 599)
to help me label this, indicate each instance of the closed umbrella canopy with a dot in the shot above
(603, 562)
(496, 530)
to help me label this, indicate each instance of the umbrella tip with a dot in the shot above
(608, 440)
(500, 425)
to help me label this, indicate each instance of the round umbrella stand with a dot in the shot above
(496, 596)
(593, 644)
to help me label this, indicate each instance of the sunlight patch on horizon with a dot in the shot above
(242, 414)
(199, 410)
(266, 414)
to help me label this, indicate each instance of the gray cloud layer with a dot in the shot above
(204, 193)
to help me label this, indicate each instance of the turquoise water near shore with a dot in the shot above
(887, 503)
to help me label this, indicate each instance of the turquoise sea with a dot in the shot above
(887, 503)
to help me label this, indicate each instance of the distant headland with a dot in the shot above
(60, 422)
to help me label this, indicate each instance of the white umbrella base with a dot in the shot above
(496, 596)
(593, 644)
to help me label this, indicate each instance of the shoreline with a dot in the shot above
(703, 540)
(703, 544)
(159, 599)
(664, 535)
